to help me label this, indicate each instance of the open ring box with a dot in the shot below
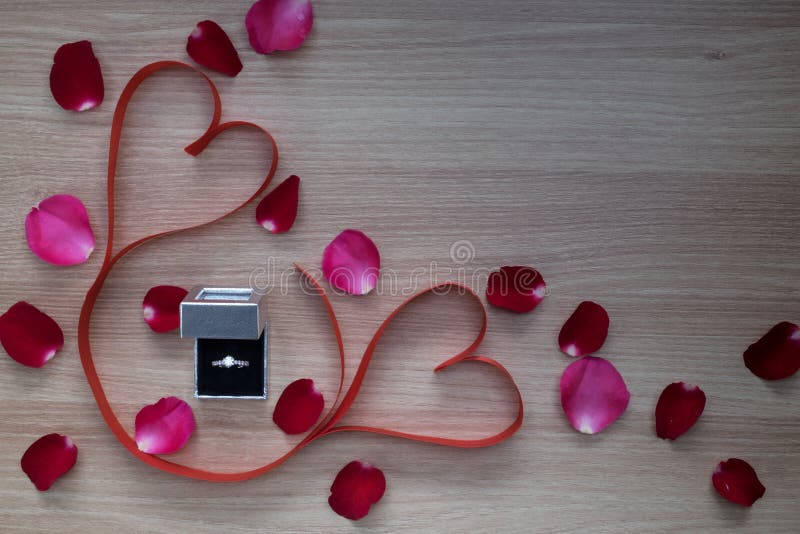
(229, 326)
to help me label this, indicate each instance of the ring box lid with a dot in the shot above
(223, 313)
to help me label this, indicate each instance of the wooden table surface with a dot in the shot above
(641, 154)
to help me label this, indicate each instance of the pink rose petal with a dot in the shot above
(164, 427)
(356, 488)
(47, 459)
(278, 24)
(516, 288)
(737, 481)
(210, 46)
(75, 78)
(58, 231)
(277, 211)
(161, 307)
(30, 336)
(298, 407)
(777, 354)
(679, 407)
(351, 263)
(593, 394)
(585, 331)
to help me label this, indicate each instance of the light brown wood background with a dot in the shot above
(642, 154)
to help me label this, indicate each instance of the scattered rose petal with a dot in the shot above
(593, 394)
(737, 481)
(351, 263)
(210, 46)
(278, 24)
(30, 336)
(679, 407)
(164, 427)
(58, 231)
(75, 78)
(276, 211)
(161, 307)
(47, 459)
(516, 288)
(585, 331)
(298, 407)
(777, 354)
(357, 487)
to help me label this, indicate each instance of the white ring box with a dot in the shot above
(229, 326)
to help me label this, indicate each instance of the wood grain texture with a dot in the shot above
(642, 154)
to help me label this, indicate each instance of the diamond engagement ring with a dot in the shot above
(230, 361)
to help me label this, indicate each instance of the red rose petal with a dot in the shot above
(59, 232)
(593, 394)
(737, 481)
(356, 488)
(516, 288)
(210, 46)
(47, 459)
(298, 407)
(278, 24)
(351, 262)
(585, 331)
(30, 336)
(161, 307)
(679, 407)
(164, 427)
(777, 354)
(276, 211)
(75, 78)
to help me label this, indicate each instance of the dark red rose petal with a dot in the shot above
(161, 307)
(278, 24)
(516, 288)
(298, 407)
(210, 46)
(679, 407)
(164, 427)
(777, 354)
(277, 211)
(737, 481)
(47, 459)
(30, 336)
(75, 78)
(356, 488)
(585, 331)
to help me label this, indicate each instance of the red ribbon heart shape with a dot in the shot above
(329, 422)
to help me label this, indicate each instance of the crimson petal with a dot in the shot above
(276, 211)
(516, 288)
(777, 354)
(58, 231)
(356, 488)
(48, 458)
(278, 24)
(75, 78)
(593, 394)
(679, 407)
(161, 307)
(30, 336)
(736, 480)
(298, 407)
(210, 46)
(585, 331)
(164, 427)
(351, 263)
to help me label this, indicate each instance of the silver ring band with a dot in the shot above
(230, 361)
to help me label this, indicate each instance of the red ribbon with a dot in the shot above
(329, 423)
